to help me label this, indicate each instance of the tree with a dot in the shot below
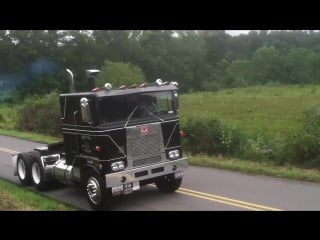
(118, 73)
(241, 72)
(267, 64)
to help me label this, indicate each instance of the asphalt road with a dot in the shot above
(203, 189)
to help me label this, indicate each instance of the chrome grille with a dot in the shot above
(143, 149)
(145, 161)
(145, 145)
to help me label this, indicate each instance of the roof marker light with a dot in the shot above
(143, 85)
(108, 86)
(174, 84)
(95, 89)
(159, 82)
(182, 134)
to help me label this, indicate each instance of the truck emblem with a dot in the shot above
(144, 131)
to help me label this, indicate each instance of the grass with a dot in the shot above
(35, 137)
(262, 168)
(275, 111)
(13, 197)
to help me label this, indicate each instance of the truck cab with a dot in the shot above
(114, 142)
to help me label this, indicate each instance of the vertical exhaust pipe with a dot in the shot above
(71, 80)
(91, 75)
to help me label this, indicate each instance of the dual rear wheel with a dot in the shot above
(31, 171)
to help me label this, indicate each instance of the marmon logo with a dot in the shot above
(144, 131)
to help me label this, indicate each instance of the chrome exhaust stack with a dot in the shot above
(92, 75)
(71, 80)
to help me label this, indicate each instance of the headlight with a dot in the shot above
(174, 154)
(117, 166)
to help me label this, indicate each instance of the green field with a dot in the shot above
(276, 111)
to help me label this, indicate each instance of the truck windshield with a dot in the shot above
(136, 106)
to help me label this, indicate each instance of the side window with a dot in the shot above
(85, 110)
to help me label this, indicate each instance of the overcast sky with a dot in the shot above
(237, 32)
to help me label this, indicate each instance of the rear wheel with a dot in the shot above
(24, 169)
(168, 183)
(38, 174)
(95, 189)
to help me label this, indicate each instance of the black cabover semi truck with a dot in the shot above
(114, 142)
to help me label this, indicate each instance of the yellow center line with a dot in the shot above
(8, 150)
(229, 201)
(219, 201)
(224, 200)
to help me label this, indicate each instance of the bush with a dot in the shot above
(303, 148)
(210, 86)
(41, 115)
(2, 120)
(312, 121)
(239, 83)
(210, 137)
(273, 84)
(258, 148)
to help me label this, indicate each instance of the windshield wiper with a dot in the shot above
(152, 114)
(133, 111)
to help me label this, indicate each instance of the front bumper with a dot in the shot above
(145, 172)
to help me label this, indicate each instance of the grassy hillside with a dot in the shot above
(276, 111)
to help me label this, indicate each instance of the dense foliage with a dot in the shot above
(118, 73)
(40, 115)
(34, 61)
(33, 64)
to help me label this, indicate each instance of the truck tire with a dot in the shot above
(168, 183)
(37, 172)
(24, 169)
(94, 187)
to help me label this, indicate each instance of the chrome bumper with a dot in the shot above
(145, 172)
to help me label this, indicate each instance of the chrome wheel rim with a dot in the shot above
(21, 169)
(94, 190)
(36, 173)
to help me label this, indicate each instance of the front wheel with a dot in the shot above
(168, 183)
(95, 190)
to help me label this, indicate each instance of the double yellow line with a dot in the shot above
(224, 200)
(8, 150)
(202, 195)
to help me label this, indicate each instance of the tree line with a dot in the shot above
(34, 61)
